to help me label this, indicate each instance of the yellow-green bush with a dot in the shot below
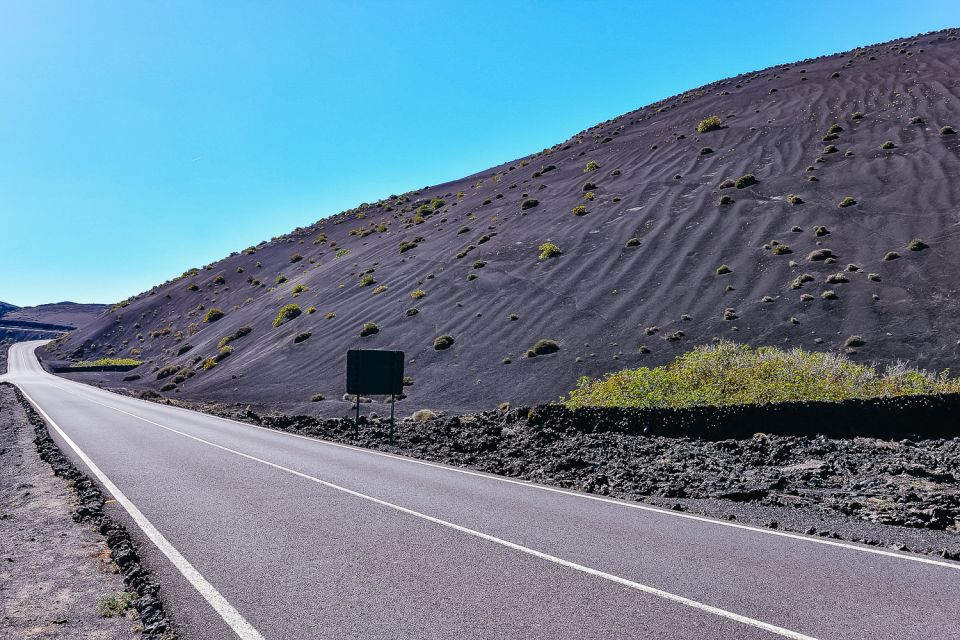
(729, 373)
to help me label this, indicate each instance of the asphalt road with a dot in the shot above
(258, 534)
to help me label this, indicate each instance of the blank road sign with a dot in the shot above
(374, 372)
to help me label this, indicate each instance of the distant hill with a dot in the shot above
(70, 314)
(818, 205)
(45, 321)
(6, 307)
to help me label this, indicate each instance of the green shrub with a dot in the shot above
(368, 329)
(854, 341)
(379, 289)
(633, 242)
(917, 245)
(416, 294)
(296, 257)
(219, 279)
(591, 166)
(318, 397)
(745, 181)
(329, 315)
(782, 250)
(236, 335)
(857, 115)
(299, 288)
(367, 279)
(725, 199)
(708, 124)
(280, 279)
(287, 312)
(794, 199)
(479, 264)
(724, 269)
(115, 605)
(543, 347)
(732, 374)
(579, 210)
(829, 295)
(589, 195)
(830, 149)
(891, 255)
(847, 202)
(436, 203)
(193, 287)
(819, 255)
(167, 371)
(835, 128)
(530, 203)
(947, 131)
(311, 311)
(443, 342)
(209, 363)
(888, 145)
(549, 250)
(706, 151)
(820, 231)
(213, 315)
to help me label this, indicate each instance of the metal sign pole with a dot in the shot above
(356, 422)
(393, 398)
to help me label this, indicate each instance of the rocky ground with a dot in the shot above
(53, 572)
(901, 494)
(66, 571)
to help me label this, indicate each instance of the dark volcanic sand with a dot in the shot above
(599, 296)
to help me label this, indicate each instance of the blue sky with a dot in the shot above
(138, 139)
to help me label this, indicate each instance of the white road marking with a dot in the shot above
(585, 496)
(230, 615)
(540, 487)
(723, 613)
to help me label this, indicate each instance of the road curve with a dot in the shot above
(257, 534)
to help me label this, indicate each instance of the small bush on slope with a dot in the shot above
(213, 315)
(549, 250)
(728, 373)
(708, 124)
(286, 313)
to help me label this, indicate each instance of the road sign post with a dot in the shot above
(375, 372)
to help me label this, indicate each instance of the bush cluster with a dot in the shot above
(728, 373)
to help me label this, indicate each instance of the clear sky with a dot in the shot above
(138, 139)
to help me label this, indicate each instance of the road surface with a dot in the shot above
(256, 534)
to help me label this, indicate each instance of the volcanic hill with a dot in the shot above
(45, 320)
(813, 204)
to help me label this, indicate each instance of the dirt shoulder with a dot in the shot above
(54, 573)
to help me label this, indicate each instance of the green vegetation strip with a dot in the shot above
(107, 362)
(734, 374)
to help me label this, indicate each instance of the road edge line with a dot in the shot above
(230, 615)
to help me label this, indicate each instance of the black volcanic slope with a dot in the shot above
(639, 268)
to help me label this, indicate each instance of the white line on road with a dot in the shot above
(531, 485)
(231, 616)
(541, 487)
(723, 613)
